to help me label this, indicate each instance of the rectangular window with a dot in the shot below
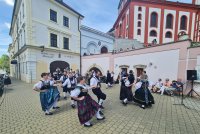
(53, 40)
(66, 43)
(65, 21)
(53, 15)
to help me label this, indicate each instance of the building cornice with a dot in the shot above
(89, 29)
(45, 49)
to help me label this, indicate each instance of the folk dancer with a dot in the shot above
(63, 79)
(54, 94)
(70, 84)
(96, 89)
(87, 107)
(126, 93)
(46, 98)
(143, 96)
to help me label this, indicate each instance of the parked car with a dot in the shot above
(1, 81)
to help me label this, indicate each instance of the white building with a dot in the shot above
(45, 35)
(95, 42)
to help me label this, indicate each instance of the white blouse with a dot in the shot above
(77, 91)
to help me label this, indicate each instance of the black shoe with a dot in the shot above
(101, 113)
(56, 107)
(73, 106)
(150, 105)
(101, 119)
(88, 125)
(49, 113)
(125, 104)
(65, 98)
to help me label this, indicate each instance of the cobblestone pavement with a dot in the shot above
(21, 113)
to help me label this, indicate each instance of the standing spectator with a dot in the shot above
(108, 80)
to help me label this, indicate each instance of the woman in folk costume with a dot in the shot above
(70, 84)
(95, 83)
(126, 93)
(87, 107)
(43, 86)
(53, 93)
(143, 96)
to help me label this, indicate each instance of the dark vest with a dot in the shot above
(82, 93)
(45, 85)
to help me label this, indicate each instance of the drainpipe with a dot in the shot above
(80, 43)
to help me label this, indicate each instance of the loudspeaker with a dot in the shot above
(191, 74)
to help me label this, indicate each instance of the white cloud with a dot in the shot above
(7, 25)
(9, 2)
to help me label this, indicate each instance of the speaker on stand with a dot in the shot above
(192, 76)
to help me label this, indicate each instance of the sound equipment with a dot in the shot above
(191, 74)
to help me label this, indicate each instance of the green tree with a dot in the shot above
(5, 62)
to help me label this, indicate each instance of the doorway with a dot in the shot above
(139, 71)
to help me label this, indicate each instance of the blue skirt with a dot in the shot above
(47, 99)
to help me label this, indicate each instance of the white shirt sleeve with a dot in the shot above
(127, 83)
(138, 85)
(65, 83)
(51, 83)
(61, 78)
(93, 82)
(38, 85)
(75, 92)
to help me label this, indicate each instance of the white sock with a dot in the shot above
(64, 94)
(125, 100)
(87, 123)
(47, 111)
(55, 104)
(98, 115)
(100, 102)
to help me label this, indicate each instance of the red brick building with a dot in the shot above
(157, 20)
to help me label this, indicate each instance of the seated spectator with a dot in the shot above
(166, 87)
(177, 85)
(157, 86)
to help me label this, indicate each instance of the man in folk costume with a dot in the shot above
(46, 98)
(126, 93)
(63, 79)
(87, 107)
(95, 83)
(70, 84)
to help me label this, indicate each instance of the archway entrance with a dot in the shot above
(58, 64)
(95, 69)
(104, 50)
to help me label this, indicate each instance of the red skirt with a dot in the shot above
(87, 108)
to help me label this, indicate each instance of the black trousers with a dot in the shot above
(99, 94)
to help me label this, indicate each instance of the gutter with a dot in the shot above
(80, 43)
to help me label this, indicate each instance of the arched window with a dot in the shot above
(153, 33)
(139, 8)
(154, 19)
(104, 50)
(138, 32)
(139, 16)
(183, 25)
(169, 21)
(139, 23)
(168, 35)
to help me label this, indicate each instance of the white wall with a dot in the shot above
(88, 37)
(165, 60)
(102, 63)
(43, 26)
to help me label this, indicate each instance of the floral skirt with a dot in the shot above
(87, 108)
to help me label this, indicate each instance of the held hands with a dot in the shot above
(82, 98)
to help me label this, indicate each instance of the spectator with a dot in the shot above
(157, 85)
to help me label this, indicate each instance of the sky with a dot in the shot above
(99, 14)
